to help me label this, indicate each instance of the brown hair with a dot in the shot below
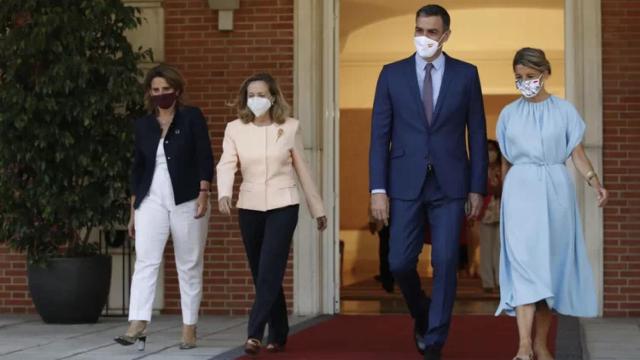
(532, 58)
(279, 110)
(172, 76)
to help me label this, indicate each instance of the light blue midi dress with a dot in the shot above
(543, 255)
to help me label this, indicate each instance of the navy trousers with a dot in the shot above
(267, 239)
(407, 222)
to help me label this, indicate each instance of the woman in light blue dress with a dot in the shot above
(544, 264)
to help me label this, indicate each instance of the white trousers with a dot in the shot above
(156, 218)
(489, 254)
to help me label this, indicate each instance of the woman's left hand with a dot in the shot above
(203, 204)
(603, 196)
(322, 223)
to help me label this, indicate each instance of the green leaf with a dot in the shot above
(64, 152)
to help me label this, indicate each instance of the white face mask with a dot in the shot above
(426, 47)
(530, 88)
(258, 105)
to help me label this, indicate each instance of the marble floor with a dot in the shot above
(368, 297)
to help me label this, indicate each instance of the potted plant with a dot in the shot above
(69, 87)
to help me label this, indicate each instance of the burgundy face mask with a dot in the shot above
(164, 101)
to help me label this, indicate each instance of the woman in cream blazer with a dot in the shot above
(267, 147)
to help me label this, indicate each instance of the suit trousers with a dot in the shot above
(156, 218)
(267, 239)
(407, 222)
(383, 254)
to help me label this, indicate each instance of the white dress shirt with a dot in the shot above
(437, 72)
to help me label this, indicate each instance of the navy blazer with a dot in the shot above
(402, 143)
(187, 148)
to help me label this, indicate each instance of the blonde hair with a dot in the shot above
(172, 76)
(532, 58)
(279, 110)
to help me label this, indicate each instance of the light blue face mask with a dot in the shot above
(530, 88)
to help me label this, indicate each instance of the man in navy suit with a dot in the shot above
(425, 108)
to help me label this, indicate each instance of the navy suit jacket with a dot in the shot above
(187, 148)
(402, 143)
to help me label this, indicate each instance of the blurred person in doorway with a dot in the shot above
(489, 224)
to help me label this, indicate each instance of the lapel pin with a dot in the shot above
(280, 131)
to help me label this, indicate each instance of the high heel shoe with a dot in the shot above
(252, 346)
(274, 347)
(186, 344)
(127, 340)
(137, 330)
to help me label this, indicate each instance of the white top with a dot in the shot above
(161, 159)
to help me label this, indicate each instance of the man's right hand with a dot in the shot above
(380, 207)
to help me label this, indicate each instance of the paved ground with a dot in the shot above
(611, 339)
(28, 338)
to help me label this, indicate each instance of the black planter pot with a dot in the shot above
(71, 290)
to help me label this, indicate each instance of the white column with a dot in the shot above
(331, 156)
(307, 99)
(316, 255)
(583, 48)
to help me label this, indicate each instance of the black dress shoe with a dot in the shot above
(418, 336)
(418, 332)
(388, 286)
(432, 353)
(419, 341)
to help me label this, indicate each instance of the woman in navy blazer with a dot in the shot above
(170, 182)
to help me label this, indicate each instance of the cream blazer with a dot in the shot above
(269, 157)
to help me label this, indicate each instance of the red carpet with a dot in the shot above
(388, 337)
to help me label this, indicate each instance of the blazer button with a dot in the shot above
(168, 157)
(166, 141)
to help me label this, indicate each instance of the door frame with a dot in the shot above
(316, 60)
